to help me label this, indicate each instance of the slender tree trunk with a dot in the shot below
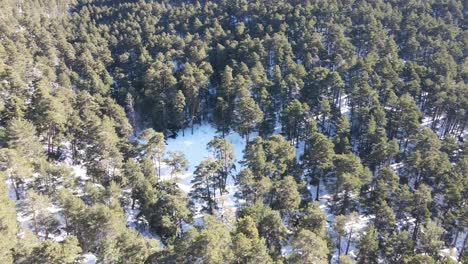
(318, 190)
(35, 223)
(210, 199)
(456, 238)
(48, 144)
(462, 250)
(415, 231)
(461, 128)
(159, 167)
(349, 240)
(247, 137)
(192, 125)
(223, 125)
(15, 187)
(66, 224)
(339, 245)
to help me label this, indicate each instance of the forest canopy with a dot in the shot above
(333, 131)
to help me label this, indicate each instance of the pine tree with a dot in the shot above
(270, 225)
(308, 248)
(50, 177)
(177, 162)
(342, 137)
(221, 115)
(8, 227)
(147, 167)
(167, 215)
(409, 114)
(265, 101)
(318, 158)
(226, 87)
(420, 259)
(346, 260)
(21, 135)
(209, 245)
(194, 80)
(351, 176)
(15, 108)
(204, 185)
(223, 152)
(368, 246)
(324, 111)
(158, 80)
(272, 229)
(178, 116)
(420, 210)
(50, 251)
(73, 210)
(385, 220)
(280, 156)
(133, 178)
(314, 219)
(287, 197)
(16, 168)
(154, 146)
(430, 239)
(66, 67)
(386, 187)
(398, 247)
(248, 115)
(134, 248)
(255, 157)
(253, 188)
(340, 224)
(43, 221)
(248, 246)
(49, 114)
(130, 108)
(294, 117)
(103, 157)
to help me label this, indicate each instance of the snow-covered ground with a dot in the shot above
(356, 226)
(194, 147)
(89, 258)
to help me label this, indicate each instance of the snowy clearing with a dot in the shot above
(193, 146)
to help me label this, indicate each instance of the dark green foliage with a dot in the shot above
(205, 185)
(372, 93)
(8, 226)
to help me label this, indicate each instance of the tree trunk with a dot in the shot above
(456, 238)
(247, 137)
(48, 144)
(66, 224)
(462, 250)
(349, 240)
(415, 231)
(15, 187)
(339, 245)
(191, 124)
(35, 222)
(318, 190)
(159, 167)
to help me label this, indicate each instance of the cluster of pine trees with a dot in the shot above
(361, 101)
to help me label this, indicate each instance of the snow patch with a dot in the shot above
(89, 258)
(193, 146)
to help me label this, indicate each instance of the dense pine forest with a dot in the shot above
(233, 131)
